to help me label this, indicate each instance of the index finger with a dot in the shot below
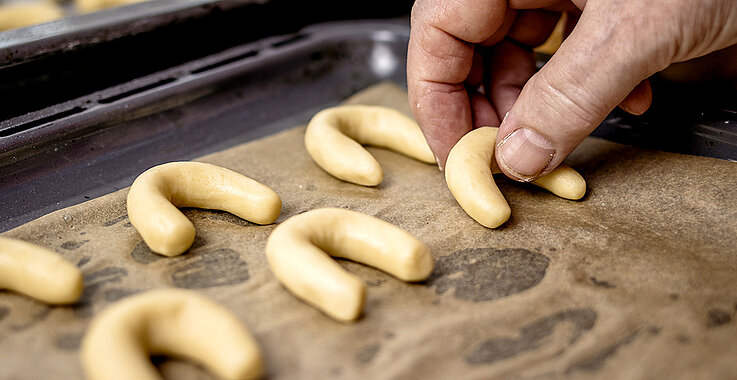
(439, 59)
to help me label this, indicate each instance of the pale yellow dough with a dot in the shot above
(38, 273)
(298, 252)
(334, 136)
(468, 173)
(85, 6)
(172, 322)
(14, 16)
(155, 195)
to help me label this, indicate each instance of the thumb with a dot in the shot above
(593, 71)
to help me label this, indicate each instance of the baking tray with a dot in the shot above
(697, 119)
(99, 142)
(49, 64)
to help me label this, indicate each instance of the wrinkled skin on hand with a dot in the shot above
(470, 64)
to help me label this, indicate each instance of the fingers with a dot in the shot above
(510, 64)
(532, 4)
(533, 27)
(510, 15)
(639, 99)
(483, 112)
(439, 59)
(593, 71)
(511, 67)
(469, 178)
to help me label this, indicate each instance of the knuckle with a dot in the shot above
(582, 108)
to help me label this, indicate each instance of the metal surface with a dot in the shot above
(692, 119)
(88, 145)
(19, 45)
(199, 107)
(697, 117)
(48, 65)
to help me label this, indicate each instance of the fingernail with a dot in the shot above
(525, 154)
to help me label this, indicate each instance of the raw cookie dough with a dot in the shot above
(155, 195)
(334, 136)
(171, 322)
(86, 6)
(38, 272)
(299, 251)
(14, 16)
(468, 173)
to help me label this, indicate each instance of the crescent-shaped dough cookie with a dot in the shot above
(334, 136)
(299, 251)
(171, 322)
(468, 173)
(18, 15)
(155, 195)
(38, 273)
(86, 6)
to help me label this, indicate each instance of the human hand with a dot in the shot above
(467, 66)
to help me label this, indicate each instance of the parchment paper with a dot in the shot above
(638, 280)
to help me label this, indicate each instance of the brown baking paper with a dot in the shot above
(637, 280)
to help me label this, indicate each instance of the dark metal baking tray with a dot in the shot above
(48, 64)
(697, 119)
(98, 142)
